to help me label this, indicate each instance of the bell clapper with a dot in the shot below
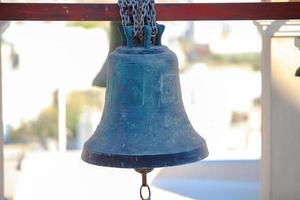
(144, 172)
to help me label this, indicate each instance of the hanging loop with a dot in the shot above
(148, 190)
(144, 172)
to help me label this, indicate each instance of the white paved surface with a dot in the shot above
(63, 176)
(49, 176)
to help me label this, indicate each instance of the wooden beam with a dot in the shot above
(165, 12)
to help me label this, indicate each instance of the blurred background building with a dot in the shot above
(219, 64)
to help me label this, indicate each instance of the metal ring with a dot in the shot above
(141, 192)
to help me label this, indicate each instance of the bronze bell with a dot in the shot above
(144, 123)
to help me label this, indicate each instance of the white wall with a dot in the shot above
(280, 162)
(285, 120)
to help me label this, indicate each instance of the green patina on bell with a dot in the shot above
(144, 123)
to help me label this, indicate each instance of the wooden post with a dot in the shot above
(265, 174)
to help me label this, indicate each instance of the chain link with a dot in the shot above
(138, 13)
(144, 187)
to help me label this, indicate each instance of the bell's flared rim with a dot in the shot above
(145, 161)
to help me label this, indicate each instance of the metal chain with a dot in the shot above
(153, 18)
(138, 13)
